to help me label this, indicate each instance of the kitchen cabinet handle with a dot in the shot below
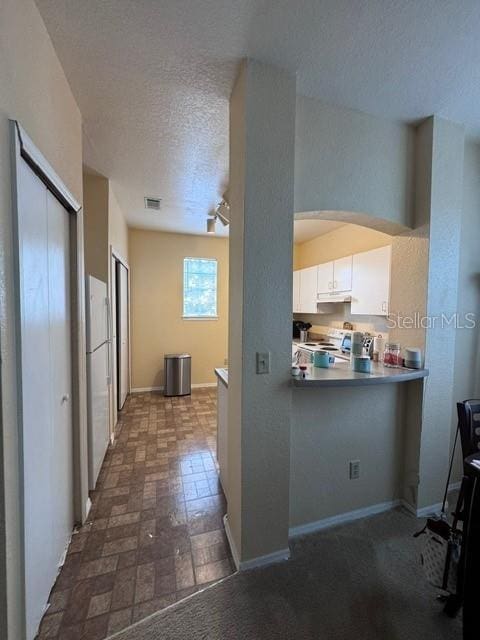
(334, 284)
(65, 398)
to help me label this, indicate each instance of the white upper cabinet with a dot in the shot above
(308, 290)
(296, 291)
(335, 276)
(325, 278)
(371, 282)
(342, 274)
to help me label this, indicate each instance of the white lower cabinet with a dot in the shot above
(371, 282)
(222, 433)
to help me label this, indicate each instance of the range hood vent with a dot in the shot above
(333, 298)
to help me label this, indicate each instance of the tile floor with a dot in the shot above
(155, 532)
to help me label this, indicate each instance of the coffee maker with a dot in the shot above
(298, 326)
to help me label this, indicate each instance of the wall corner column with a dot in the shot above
(262, 150)
(440, 158)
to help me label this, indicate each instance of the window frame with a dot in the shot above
(184, 289)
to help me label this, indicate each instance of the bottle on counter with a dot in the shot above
(378, 348)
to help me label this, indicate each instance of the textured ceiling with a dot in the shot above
(304, 230)
(153, 77)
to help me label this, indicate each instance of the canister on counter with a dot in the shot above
(392, 355)
(357, 343)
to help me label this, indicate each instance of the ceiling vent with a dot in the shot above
(152, 203)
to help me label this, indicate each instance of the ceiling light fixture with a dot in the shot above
(219, 213)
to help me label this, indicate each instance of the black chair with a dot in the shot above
(468, 413)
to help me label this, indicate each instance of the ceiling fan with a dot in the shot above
(220, 212)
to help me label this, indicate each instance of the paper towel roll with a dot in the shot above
(379, 345)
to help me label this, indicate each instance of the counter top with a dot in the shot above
(342, 375)
(222, 374)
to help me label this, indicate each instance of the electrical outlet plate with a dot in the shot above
(354, 469)
(263, 362)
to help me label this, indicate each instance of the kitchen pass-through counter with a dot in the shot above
(341, 374)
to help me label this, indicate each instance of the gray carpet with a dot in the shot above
(361, 581)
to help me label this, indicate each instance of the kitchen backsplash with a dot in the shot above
(372, 324)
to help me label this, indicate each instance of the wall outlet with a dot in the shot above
(225, 362)
(354, 469)
(263, 362)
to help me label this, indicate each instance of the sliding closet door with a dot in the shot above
(61, 372)
(113, 344)
(122, 334)
(46, 434)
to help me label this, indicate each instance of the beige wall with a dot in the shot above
(95, 204)
(117, 225)
(341, 242)
(33, 90)
(105, 225)
(156, 267)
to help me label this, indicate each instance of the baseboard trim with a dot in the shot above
(88, 506)
(197, 385)
(431, 509)
(260, 561)
(342, 518)
(408, 506)
(231, 542)
(454, 486)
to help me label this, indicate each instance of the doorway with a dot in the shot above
(120, 332)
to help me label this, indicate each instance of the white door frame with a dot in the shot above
(117, 256)
(23, 149)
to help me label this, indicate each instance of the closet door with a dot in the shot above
(113, 344)
(122, 334)
(61, 371)
(46, 435)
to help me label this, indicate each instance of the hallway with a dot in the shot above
(155, 532)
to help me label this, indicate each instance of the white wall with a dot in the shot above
(33, 90)
(332, 426)
(349, 161)
(261, 241)
(467, 350)
(444, 142)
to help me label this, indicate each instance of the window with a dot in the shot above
(199, 288)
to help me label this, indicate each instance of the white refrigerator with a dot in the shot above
(98, 375)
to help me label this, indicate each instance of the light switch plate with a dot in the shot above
(354, 469)
(263, 362)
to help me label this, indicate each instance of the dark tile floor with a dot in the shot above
(155, 532)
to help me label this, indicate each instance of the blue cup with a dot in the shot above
(322, 359)
(362, 364)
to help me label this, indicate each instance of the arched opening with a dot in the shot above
(351, 272)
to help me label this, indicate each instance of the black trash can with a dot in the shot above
(178, 374)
